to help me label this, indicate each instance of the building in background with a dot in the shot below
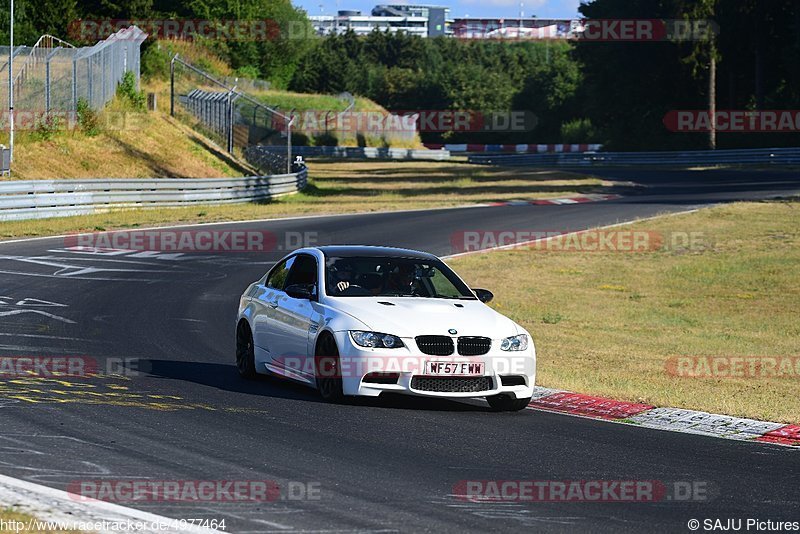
(438, 17)
(414, 19)
(432, 21)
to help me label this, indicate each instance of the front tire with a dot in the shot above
(245, 351)
(329, 373)
(505, 403)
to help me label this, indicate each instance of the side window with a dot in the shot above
(304, 271)
(277, 277)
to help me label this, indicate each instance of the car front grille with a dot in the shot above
(474, 346)
(451, 384)
(435, 345)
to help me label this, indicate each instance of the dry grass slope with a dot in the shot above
(131, 145)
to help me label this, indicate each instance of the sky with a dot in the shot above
(547, 9)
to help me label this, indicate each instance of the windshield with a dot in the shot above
(392, 277)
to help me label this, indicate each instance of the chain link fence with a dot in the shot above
(222, 109)
(234, 119)
(53, 75)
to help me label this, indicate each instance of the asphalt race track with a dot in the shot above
(384, 465)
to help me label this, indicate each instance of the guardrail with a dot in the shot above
(530, 148)
(754, 156)
(366, 152)
(36, 199)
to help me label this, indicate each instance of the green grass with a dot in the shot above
(609, 323)
(286, 101)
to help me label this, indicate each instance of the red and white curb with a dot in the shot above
(578, 199)
(49, 505)
(672, 419)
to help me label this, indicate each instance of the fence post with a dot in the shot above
(75, 85)
(47, 79)
(289, 145)
(230, 120)
(47, 85)
(172, 85)
(90, 78)
(103, 69)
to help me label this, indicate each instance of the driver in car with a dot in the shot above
(401, 280)
(345, 275)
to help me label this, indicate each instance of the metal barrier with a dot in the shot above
(36, 199)
(5, 160)
(230, 115)
(214, 109)
(530, 148)
(754, 156)
(366, 152)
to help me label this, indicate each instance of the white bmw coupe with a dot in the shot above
(359, 320)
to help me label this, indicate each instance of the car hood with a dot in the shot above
(410, 316)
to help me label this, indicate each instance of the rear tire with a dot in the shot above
(245, 351)
(505, 403)
(329, 373)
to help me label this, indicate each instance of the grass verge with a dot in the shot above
(615, 323)
(343, 187)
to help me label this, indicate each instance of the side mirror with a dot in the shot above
(300, 291)
(484, 295)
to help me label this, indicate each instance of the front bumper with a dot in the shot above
(358, 362)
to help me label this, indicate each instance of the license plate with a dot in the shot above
(454, 368)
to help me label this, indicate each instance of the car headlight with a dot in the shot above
(519, 342)
(375, 340)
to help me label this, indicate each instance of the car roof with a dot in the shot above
(365, 251)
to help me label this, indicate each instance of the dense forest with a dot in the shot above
(615, 93)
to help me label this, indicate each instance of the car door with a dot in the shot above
(265, 299)
(295, 319)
